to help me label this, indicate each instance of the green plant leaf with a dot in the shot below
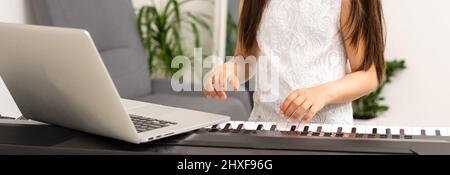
(196, 35)
(177, 42)
(167, 7)
(369, 106)
(201, 22)
(142, 11)
(150, 15)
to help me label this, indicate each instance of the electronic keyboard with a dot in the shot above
(235, 137)
(319, 138)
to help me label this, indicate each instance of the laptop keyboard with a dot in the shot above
(144, 124)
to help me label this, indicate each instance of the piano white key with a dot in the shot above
(443, 131)
(327, 128)
(369, 129)
(313, 127)
(335, 128)
(360, 129)
(417, 131)
(236, 124)
(222, 125)
(432, 131)
(382, 129)
(345, 128)
(283, 126)
(408, 130)
(429, 131)
(300, 127)
(395, 130)
(250, 126)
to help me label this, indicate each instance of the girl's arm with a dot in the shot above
(347, 89)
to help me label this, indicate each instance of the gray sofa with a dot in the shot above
(112, 24)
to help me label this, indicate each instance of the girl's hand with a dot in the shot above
(217, 84)
(304, 102)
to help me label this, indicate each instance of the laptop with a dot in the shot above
(57, 76)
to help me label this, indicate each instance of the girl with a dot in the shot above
(330, 52)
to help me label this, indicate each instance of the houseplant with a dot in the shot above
(369, 107)
(163, 32)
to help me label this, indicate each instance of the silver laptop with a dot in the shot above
(57, 76)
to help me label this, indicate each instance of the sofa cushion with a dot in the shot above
(112, 25)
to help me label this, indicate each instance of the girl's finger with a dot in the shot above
(206, 88)
(294, 106)
(235, 82)
(216, 85)
(301, 110)
(224, 77)
(287, 102)
(311, 113)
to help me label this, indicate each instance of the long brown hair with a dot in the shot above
(366, 22)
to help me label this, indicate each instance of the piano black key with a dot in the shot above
(317, 132)
(438, 132)
(339, 130)
(353, 130)
(240, 126)
(319, 129)
(306, 129)
(214, 128)
(260, 127)
(388, 131)
(374, 131)
(226, 128)
(293, 128)
(402, 132)
(423, 132)
(273, 128)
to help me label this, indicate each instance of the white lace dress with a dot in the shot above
(302, 39)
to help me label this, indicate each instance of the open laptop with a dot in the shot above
(57, 76)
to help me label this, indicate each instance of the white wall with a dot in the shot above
(15, 11)
(418, 31)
